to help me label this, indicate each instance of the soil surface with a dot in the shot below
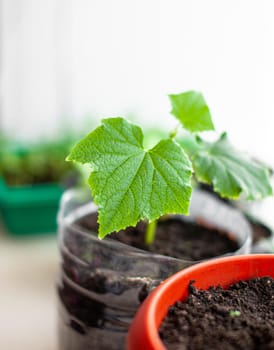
(174, 237)
(241, 317)
(260, 231)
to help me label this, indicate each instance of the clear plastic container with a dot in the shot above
(102, 282)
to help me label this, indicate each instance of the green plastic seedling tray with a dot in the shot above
(30, 209)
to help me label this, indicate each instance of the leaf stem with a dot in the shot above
(150, 232)
(173, 133)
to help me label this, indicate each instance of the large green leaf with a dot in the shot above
(229, 171)
(130, 183)
(191, 110)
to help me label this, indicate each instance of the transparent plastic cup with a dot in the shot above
(102, 282)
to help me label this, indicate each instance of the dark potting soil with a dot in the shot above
(174, 237)
(241, 317)
(260, 231)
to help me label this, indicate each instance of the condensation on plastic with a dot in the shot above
(95, 312)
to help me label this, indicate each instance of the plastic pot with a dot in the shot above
(101, 280)
(143, 333)
(30, 209)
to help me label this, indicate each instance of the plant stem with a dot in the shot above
(150, 232)
(173, 133)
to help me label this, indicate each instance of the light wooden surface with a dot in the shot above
(28, 273)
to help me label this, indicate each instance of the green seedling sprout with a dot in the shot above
(234, 313)
(130, 183)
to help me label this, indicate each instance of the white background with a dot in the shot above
(64, 61)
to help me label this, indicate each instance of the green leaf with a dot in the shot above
(229, 171)
(234, 313)
(189, 143)
(191, 110)
(130, 183)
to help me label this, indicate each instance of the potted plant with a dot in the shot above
(239, 318)
(103, 282)
(32, 180)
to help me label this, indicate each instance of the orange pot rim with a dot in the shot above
(143, 333)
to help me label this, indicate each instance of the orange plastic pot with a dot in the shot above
(143, 333)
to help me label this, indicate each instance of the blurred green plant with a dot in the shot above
(40, 162)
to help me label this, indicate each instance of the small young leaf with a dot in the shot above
(192, 111)
(234, 313)
(130, 183)
(229, 171)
